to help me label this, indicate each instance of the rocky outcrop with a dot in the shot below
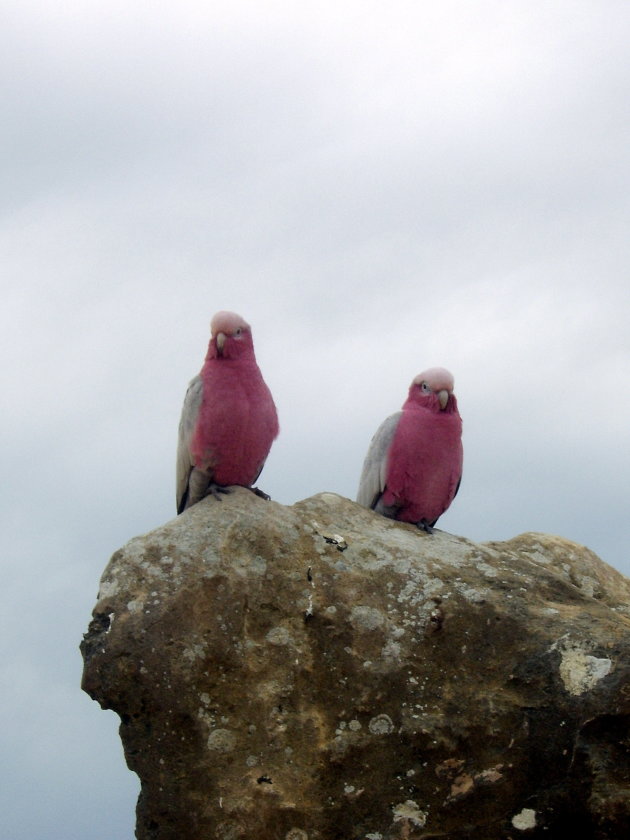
(318, 672)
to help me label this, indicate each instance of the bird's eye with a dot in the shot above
(238, 331)
(425, 388)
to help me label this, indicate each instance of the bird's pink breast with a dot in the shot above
(424, 464)
(237, 422)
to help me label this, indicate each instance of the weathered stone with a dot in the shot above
(318, 672)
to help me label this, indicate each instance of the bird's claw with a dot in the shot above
(423, 525)
(216, 490)
(257, 492)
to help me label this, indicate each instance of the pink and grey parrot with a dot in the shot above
(229, 419)
(414, 463)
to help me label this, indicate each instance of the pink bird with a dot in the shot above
(414, 463)
(229, 419)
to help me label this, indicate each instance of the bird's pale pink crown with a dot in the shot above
(437, 378)
(433, 388)
(231, 337)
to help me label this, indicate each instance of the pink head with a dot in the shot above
(433, 388)
(231, 337)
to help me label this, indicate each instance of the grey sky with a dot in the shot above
(378, 188)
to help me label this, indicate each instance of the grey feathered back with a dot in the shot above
(372, 482)
(184, 466)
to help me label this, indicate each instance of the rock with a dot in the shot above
(318, 672)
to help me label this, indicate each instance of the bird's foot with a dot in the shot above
(257, 492)
(423, 525)
(216, 490)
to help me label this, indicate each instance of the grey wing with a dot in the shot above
(190, 410)
(372, 481)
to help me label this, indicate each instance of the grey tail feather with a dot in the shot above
(181, 507)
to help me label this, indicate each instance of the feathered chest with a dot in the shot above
(426, 435)
(236, 424)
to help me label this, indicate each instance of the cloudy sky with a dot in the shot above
(378, 187)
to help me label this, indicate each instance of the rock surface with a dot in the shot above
(318, 672)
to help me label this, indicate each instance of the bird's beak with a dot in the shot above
(443, 398)
(220, 342)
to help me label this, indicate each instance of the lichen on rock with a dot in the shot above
(319, 672)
